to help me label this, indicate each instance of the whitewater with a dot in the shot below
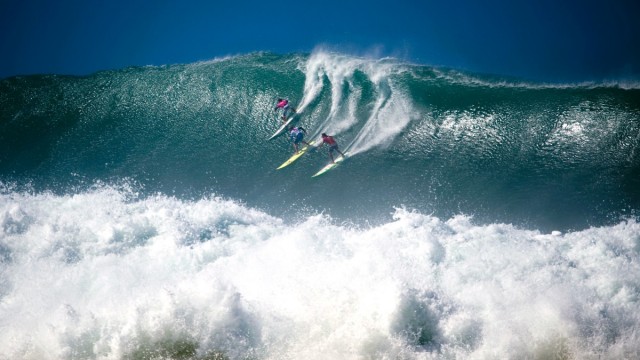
(141, 215)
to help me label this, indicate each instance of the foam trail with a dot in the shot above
(106, 274)
(339, 71)
(314, 80)
(391, 112)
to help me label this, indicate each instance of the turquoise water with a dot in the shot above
(439, 141)
(143, 216)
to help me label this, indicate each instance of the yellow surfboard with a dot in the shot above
(297, 155)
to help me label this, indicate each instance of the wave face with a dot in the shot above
(441, 142)
(142, 215)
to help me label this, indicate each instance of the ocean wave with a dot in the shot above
(435, 140)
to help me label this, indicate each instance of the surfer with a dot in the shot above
(297, 136)
(286, 108)
(333, 145)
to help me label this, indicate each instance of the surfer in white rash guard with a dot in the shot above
(296, 136)
(286, 108)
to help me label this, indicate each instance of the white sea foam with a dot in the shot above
(104, 274)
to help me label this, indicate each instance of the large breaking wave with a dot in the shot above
(478, 217)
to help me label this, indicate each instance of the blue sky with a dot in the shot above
(550, 40)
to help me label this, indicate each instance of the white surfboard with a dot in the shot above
(332, 165)
(284, 126)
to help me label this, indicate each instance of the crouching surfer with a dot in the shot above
(333, 145)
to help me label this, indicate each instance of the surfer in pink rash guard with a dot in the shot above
(286, 108)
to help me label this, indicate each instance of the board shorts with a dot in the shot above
(333, 147)
(298, 138)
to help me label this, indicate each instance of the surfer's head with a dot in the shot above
(324, 135)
